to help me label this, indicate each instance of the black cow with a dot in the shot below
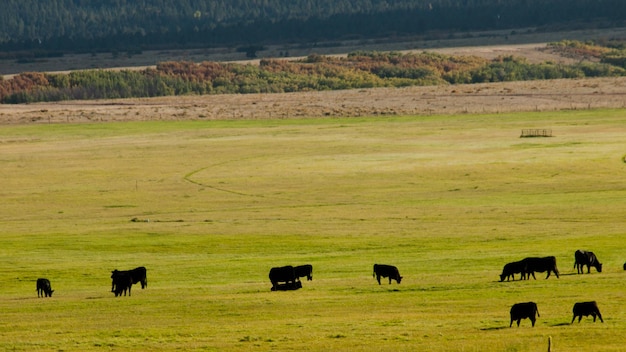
(534, 264)
(122, 282)
(136, 275)
(304, 270)
(586, 309)
(43, 288)
(521, 311)
(389, 271)
(285, 274)
(582, 258)
(513, 268)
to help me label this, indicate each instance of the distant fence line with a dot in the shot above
(537, 132)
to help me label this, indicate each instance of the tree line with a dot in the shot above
(313, 73)
(59, 26)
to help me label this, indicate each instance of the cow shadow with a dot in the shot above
(494, 328)
(561, 324)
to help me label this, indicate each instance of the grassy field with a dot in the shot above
(210, 207)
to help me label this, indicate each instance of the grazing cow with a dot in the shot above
(122, 282)
(136, 275)
(586, 309)
(534, 264)
(389, 271)
(43, 288)
(521, 311)
(582, 258)
(513, 268)
(285, 274)
(304, 270)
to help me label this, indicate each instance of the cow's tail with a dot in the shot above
(537, 310)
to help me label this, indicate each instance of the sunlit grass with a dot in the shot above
(209, 207)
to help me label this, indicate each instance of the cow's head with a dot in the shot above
(399, 278)
(599, 267)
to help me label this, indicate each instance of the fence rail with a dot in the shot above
(540, 132)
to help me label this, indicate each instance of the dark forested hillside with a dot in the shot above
(103, 25)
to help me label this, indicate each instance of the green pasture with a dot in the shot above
(209, 207)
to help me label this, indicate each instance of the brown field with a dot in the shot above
(458, 99)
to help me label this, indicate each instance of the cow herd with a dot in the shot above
(529, 310)
(122, 281)
(528, 266)
(286, 278)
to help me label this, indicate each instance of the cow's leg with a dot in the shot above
(518, 321)
(389, 280)
(532, 320)
(378, 278)
(600, 316)
(573, 318)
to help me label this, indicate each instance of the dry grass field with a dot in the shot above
(459, 99)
